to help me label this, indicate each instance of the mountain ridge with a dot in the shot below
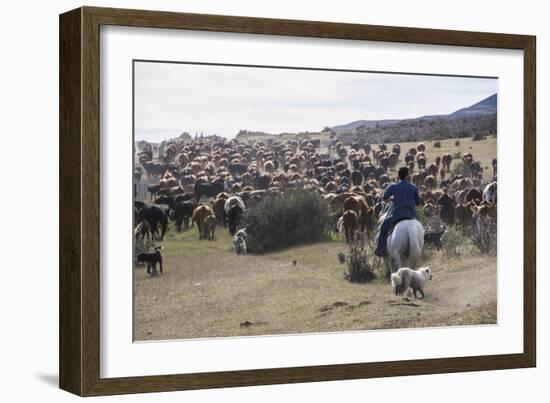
(485, 106)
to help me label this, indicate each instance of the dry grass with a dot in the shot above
(482, 150)
(208, 291)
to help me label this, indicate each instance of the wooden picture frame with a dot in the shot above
(79, 346)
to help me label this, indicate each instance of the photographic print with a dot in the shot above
(273, 200)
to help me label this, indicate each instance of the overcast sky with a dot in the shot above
(172, 98)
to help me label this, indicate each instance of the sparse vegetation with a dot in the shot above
(484, 235)
(359, 269)
(456, 244)
(437, 144)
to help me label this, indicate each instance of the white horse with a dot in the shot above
(405, 244)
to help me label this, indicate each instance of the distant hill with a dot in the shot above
(479, 119)
(486, 106)
(365, 123)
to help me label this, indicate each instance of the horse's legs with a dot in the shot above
(388, 266)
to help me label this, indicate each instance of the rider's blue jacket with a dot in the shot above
(405, 198)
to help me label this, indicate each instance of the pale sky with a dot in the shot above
(172, 98)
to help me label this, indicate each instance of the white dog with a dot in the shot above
(239, 242)
(415, 279)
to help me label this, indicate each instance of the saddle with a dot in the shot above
(390, 230)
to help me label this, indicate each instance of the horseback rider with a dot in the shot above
(405, 199)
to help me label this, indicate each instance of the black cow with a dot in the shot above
(446, 205)
(183, 211)
(356, 178)
(182, 197)
(155, 217)
(238, 169)
(138, 205)
(346, 173)
(262, 182)
(166, 200)
(203, 188)
(473, 195)
(378, 172)
(233, 218)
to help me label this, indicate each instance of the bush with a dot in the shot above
(437, 144)
(484, 235)
(457, 143)
(281, 221)
(460, 168)
(455, 244)
(478, 137)
(359, 269)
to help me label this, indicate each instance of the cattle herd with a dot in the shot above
(211, 182)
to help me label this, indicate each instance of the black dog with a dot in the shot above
(435, 238)
(151, 258)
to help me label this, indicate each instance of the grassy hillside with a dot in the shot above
(483, 151)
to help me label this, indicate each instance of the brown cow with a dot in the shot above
(433, 169)
(350, 220)
(199, 216)
(210, 227)
(429, 209)
(359, 205)
(430, 182)
(218, 208)
(485, 210)
(446, 160)
(463, 214)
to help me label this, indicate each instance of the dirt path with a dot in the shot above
(208, 291)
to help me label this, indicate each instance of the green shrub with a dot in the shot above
(359, 269)
(437, 144)
(287, 220)
(460, 168)
(478, 137)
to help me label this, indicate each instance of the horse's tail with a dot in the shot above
(408, 249)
